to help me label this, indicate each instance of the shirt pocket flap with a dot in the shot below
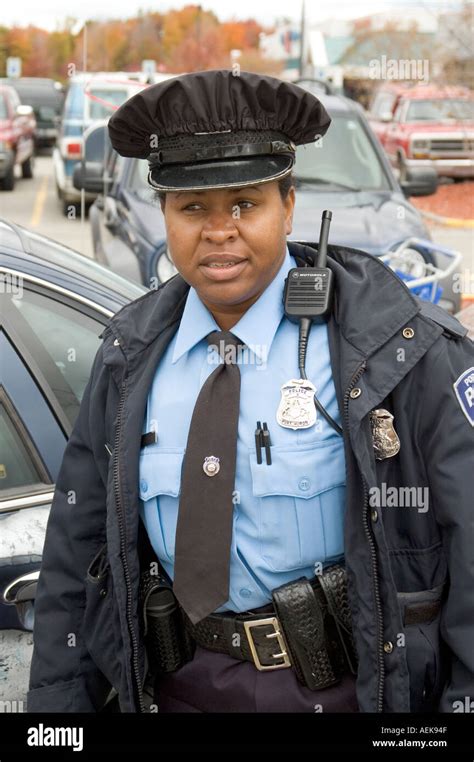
(299, 472)
(160, 472)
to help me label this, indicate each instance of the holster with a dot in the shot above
(167, 641)
(316, 623)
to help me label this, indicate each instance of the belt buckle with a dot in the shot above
(273, 621)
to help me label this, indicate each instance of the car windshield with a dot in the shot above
(344, 159)
(102, 101)
(440, 110)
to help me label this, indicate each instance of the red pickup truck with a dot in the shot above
(17, 131)
(423, 125)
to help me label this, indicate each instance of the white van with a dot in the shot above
(90, 97)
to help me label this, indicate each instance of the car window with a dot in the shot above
(47, 113)
(56, 253)
(3, 108)
(344, 157)
(138, 181)
(383, 103)
(17, 468)
(97, 145)
(101, 102)
(114, 164)
(440, 109)
(38, 95)
(66, 336)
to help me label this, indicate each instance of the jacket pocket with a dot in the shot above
(301, 502)
(100, 621)
(159, 486)
(424, 648)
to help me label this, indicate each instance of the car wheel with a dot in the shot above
(27, 168)
(8, 182)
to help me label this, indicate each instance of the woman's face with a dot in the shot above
(228, 243)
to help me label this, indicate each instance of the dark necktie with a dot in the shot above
(204, 527)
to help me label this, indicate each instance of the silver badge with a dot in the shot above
(297, 409)
(211, 465)
(385, 438)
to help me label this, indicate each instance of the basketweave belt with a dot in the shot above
(307, 627)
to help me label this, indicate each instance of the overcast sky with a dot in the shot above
(49, 14)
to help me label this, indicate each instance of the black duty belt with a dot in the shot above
(307, 627)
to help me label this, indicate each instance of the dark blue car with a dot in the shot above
(54, 304)
(347, 172)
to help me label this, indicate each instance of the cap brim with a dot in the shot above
(220, 174)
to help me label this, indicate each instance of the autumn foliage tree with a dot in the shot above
(188, 39)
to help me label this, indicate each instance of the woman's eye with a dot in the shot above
(189, 206)
(192, 207)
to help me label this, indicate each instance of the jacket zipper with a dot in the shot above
(373, 555)
(123, 552)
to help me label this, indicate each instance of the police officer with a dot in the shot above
(268, 444)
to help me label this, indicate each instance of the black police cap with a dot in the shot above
(217, 129)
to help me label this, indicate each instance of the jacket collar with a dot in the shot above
(371, 303)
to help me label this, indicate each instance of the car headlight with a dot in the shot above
(411, 262)
(165, 269)
(420, 144)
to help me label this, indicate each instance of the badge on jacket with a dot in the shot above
(464, 389)
(385, 438)
(297, 409)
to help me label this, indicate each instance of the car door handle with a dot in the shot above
(22, 588)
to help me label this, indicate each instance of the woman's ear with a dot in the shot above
(289, 204)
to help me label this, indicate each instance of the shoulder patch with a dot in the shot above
(442, 318)
(464, 389)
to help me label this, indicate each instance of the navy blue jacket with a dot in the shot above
(88, 634)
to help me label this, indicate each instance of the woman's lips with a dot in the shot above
(225, 271)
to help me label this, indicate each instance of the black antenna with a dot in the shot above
(323, 238)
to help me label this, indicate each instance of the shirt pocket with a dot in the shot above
(159, 488)
(301, 502)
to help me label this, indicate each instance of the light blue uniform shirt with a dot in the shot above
(289, 515)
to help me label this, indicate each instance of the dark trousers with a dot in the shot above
(215, 682)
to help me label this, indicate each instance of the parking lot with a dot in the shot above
(35, 205)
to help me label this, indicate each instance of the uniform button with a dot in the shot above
(103, 592)
(388, 647)
(408, 333)
(144, 485)
(304, 484)
(374, 515)
(245, 592)
(355, 393)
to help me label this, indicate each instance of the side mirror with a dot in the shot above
(89, 176)
(386, 116)
(419, 181)
(24, 110)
